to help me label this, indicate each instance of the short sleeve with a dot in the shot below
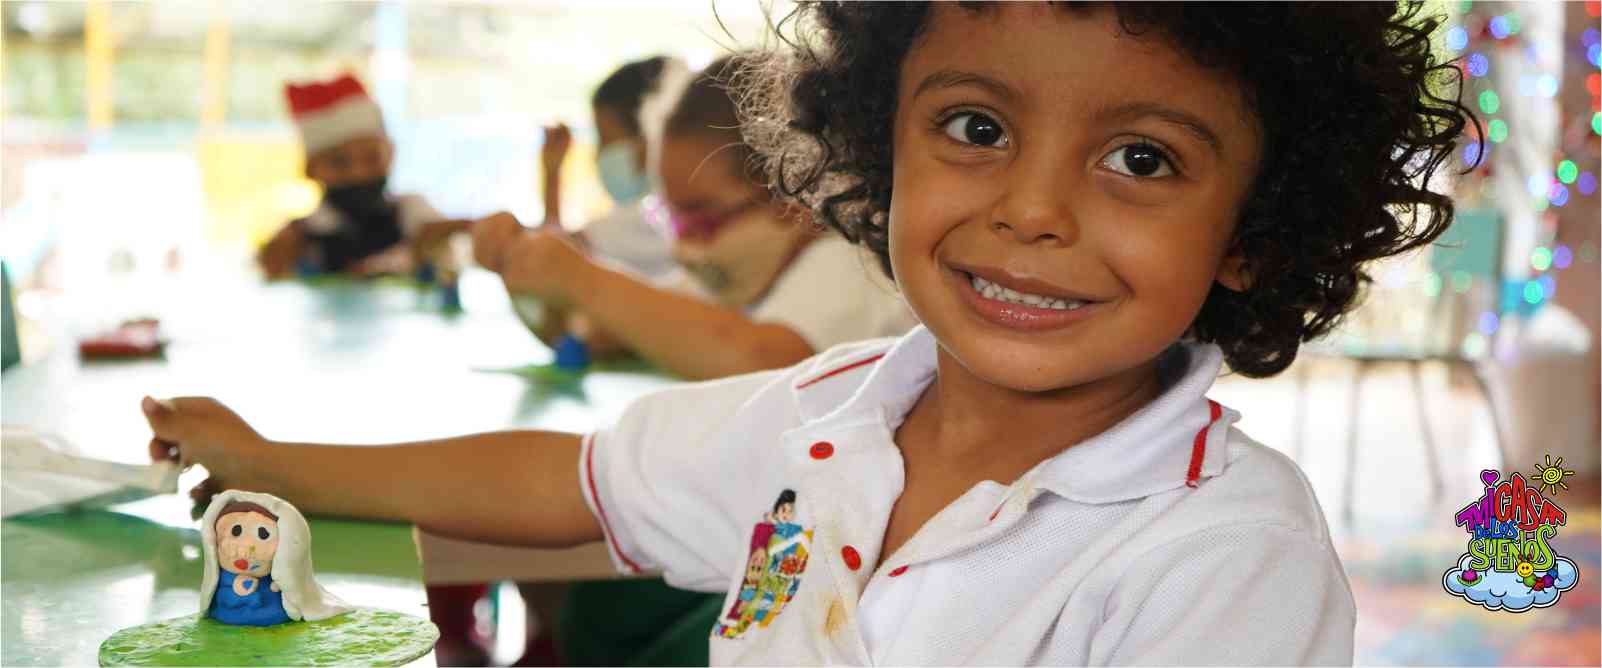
(831, 295)
(624, 236)
(668, 483)
(1244, 594)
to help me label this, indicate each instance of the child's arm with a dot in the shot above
(683, 335)
(518, 488)
(277, 257)
(557, 140)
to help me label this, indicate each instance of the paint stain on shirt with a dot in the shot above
(836, 618)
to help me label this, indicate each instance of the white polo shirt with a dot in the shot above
(1171, 538)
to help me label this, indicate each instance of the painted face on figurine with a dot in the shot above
(784, 514)
(247, 541)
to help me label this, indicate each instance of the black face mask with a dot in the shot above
(361, 201)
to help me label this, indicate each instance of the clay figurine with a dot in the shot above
(258, 567)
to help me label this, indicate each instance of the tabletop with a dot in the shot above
(328, 361)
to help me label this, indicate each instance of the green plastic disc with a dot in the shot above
(361, 637)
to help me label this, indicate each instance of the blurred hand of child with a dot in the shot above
(200, 430)
(558, 139)
(542, 263)
(277, 258)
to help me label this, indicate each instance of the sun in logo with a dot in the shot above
(1551, 475)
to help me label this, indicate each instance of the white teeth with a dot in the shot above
(996, 292)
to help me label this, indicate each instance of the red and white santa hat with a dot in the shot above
(330, 113)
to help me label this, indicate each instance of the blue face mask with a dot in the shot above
(624, 181)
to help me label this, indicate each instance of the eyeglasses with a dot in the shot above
(697, 226)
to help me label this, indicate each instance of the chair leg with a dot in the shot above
(1431, 452)
(1490, 406)
(1349, 503)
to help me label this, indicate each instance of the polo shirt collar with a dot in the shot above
(1174, 441)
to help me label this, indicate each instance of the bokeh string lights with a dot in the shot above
(1481, 36)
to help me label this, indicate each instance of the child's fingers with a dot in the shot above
(161, 414)
(162, 451)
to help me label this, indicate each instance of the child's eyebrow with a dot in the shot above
(1184, 120)
(950, 78)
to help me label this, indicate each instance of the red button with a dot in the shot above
(822, 450)
(852, 559)
(898, 571)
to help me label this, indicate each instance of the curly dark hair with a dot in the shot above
(1357, 114)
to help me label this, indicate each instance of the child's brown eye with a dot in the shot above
(971, 127)
(1139, 160)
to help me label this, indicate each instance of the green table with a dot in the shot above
(338, 361)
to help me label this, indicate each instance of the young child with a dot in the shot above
(1092, 209)
(780, 291)
(623, 235)
(359, 227)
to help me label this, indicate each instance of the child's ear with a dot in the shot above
(1233, 272)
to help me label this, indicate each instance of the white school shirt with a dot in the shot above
(624, 236)
(833, 293)
(1171, 538)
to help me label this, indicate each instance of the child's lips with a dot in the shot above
(1020, 317)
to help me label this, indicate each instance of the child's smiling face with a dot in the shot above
(1043, 150)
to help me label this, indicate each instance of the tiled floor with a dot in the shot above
(1395, 530)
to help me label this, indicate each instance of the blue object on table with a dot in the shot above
(9, 353)
(426, 273)
(450, 297)
(571, 354)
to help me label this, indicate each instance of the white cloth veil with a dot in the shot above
(304, 599)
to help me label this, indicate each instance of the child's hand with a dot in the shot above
(200, 430)
(542, 263)
(277, 257)
(558, 138)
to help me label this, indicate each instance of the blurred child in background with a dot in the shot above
(359, 227)
(622, 235)
(779, 289)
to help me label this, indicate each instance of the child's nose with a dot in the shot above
(1037, 203)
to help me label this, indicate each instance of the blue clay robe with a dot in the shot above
(263, 607)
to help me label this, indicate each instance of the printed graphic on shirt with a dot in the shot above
(1510, 564)
(773, 565)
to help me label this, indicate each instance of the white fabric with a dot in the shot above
(1099, 555)
(623, 236)
(412, 211)
(347, 119)
(304, 599)
(833, 293)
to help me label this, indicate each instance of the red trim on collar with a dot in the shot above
(606, 528)
(1198, 449)
(840, 370)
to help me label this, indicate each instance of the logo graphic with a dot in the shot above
(1510, 564)
(777, 557)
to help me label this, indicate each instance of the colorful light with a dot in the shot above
(1548, 285)
(1499, 27)
(1593, 83)
(1462, 281)
(1567, 171)
(1474, 344)
(1456, 38)
(1589, 38)
(1489, 322)
(1593, 53)
(1541, 258)
(1547, 85)
(1596, 122)
(1489, 102)
(1587, 183)
(1533, 294)
(1471, 154)
(1593, 8)
(1478, 64)
(1539, 185)
(1497, 131)
(1562, 257)
(1514, 23)
(1432, 284)
(1559, 194)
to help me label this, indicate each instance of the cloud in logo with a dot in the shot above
(1497, 590)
